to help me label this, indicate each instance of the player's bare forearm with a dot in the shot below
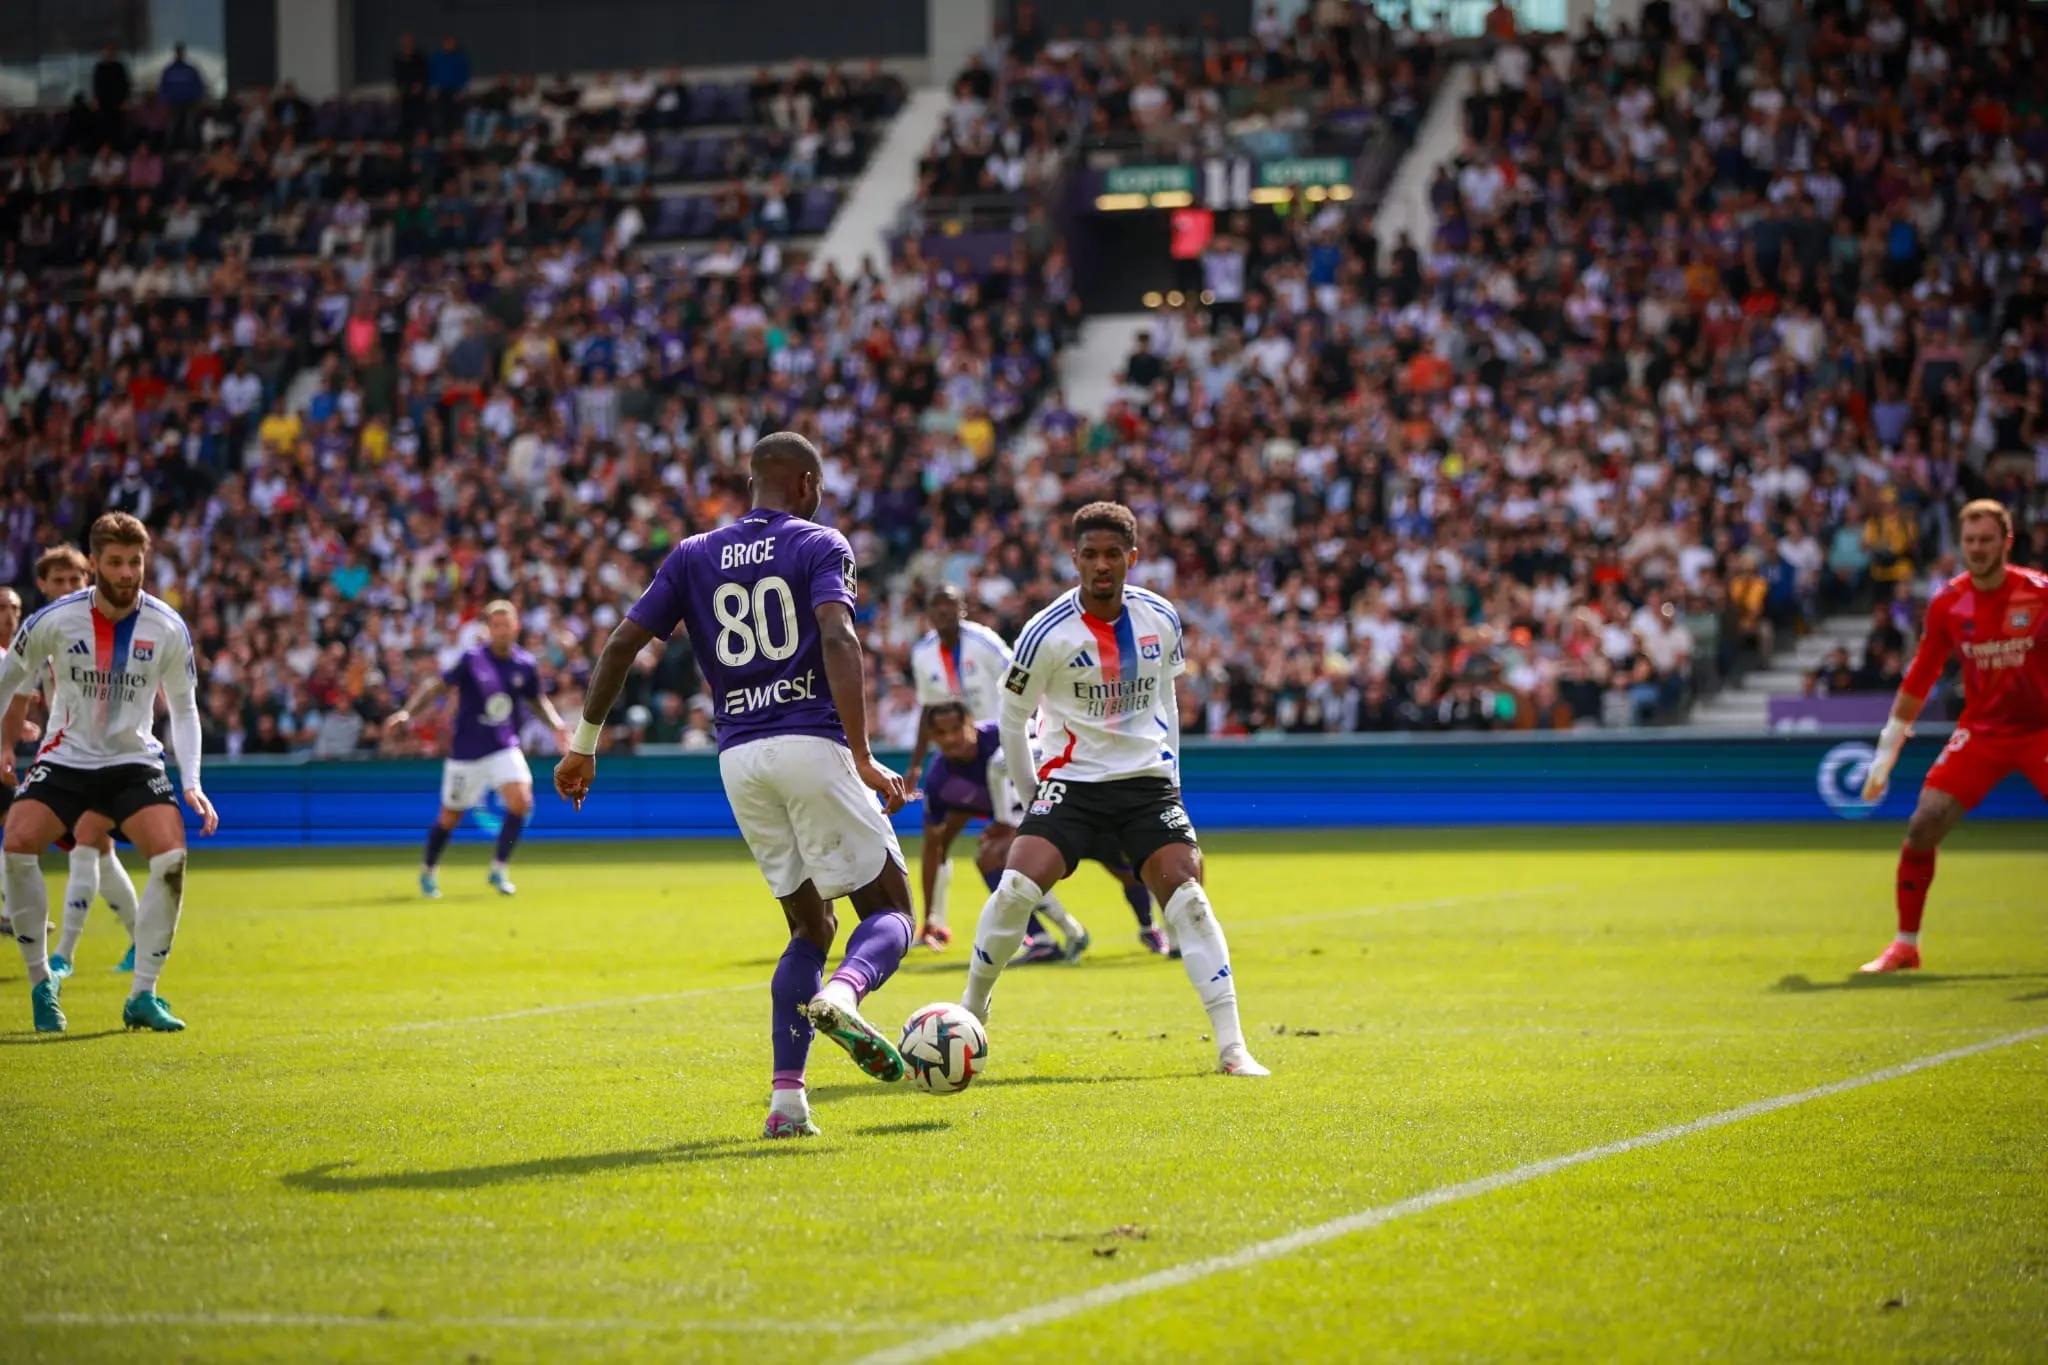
(919, 750)
(11, 723)
(1019, 757)
(608, 679)
(548, 713)
(929, 861)
(421, 696)
(938, 842)
(846, 675)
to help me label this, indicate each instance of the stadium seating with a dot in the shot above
(270, 172)
(1715, 328)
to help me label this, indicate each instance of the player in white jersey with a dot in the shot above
(94, 869)
(113, 646)
(10, 621)
(1100, 662)
(964, 661)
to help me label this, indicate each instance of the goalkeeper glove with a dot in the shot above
(1890, 740)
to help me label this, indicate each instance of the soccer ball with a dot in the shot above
(945, 1047)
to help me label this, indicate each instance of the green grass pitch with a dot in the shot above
(527, 1130)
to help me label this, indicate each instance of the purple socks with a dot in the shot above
(797, 978)
(508, 836)
(437, 844)
(877, 946)
(1141, 903)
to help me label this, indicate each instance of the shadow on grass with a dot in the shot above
(51, 1039)
(2032, 997)
(323, 1179)
(903, 1129)
(852, 1089)
(1899, 981)
(393, 898)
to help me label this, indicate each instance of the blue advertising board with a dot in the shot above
(1342, 783)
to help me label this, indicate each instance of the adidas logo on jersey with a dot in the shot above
(80, 647)
(1081, 660)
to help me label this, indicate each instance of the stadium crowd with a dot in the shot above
(1024, 105)
(1719, 321)
(151, 194)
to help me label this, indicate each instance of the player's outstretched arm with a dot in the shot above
(24, 660)
(15, 727)
(421, 696)
(1890, 740)
(1021, 691)
(1928, 660)
(846, 675)
(922, 749)
(179, 688)
(938, 841)
(578, 768)
(545, 704)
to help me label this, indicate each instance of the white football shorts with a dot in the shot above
(805, 815)
(465, 782)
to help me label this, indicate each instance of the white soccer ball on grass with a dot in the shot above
(945, 1047)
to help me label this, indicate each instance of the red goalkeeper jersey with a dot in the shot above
(2003, 639)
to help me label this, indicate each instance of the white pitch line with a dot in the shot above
(762, 1326)
(1400, 907)
(575, 1007)
(1056, 1310)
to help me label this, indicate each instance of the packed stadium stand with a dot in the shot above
(1714, 324)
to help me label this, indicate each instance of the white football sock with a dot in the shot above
(1206, 957)
(118, 891)
(1069, 927)
(31, 925)
(792, 1103)
(1911, 940)
(156, 922)
(80, 889)
(996, 937)
(935, 912)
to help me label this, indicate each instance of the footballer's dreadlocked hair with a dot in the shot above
(1107, 516)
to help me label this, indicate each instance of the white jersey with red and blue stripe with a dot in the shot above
(103, 678)
(1104, 688)
(972, 671)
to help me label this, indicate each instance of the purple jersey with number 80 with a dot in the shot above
(748, 595)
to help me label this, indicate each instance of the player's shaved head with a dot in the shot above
(787, 474)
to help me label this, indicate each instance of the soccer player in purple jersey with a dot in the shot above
(768, 604)
(490, 682)
(969, 780)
